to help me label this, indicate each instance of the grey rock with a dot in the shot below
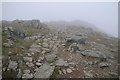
(61, 62)
(27, 59)
(27, 71)
(103, 65)
(45, 45)
(45, 71)
(29, 64)
(12, 65)
(38, 64)
(76, 39)
(50, 57)
(88, 74)
(27, 76)
(64, 71)
(8, 44)
(19, 75)
(69, 70)
(93, 53)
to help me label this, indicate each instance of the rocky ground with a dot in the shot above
(67, 53)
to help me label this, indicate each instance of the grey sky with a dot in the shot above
(104, 15)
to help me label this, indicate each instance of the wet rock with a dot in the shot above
(45, 71)
(12, 65)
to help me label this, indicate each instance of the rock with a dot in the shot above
(19, 75)
(50, 57)
(103, 65)
(68, 70)
(8, 44)
(35, 48)
(29, 64)
(27, 71)
(73, 47)
(43, 52)
(45, 71)
(93, 53)
(29, 55)
(10, 53)
(46, 49)
(45, 45)
(61, 62)
(88, 74)
(12, 65)
(60, 72)
(27, 59)
(40, 59)
(76, 39)
(64, 71)
(113, 74)
(36, 24)
(27, 76)
(38, 64)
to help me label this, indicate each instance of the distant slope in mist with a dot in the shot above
(82, 26)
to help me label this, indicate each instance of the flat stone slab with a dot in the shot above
(45, 71)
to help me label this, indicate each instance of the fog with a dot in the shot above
(103, 15)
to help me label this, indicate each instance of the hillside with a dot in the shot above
(35, 49)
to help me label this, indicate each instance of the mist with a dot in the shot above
(103, 15)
